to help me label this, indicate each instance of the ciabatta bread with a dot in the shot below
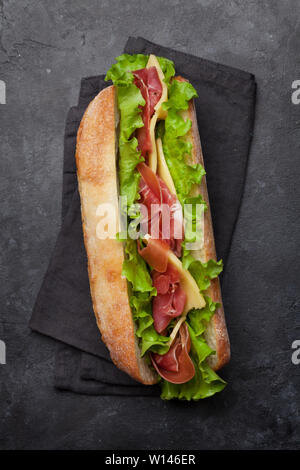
(96, 156)
(97, 181)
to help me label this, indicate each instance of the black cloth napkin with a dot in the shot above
(63, 310)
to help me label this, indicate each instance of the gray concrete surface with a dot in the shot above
(45, 49)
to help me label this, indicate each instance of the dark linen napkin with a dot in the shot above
(63, 309)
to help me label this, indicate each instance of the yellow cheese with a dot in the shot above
(157, 162)
(159, 113)
(194, 299)
(153, 62)
(176, 329)
(163, 170)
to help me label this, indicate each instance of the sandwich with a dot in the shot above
(148, 231)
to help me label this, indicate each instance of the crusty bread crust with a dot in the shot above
(216, 333)
(96, 172)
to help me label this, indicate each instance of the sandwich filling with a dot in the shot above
(167, 284)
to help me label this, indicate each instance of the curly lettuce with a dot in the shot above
(120, 73)
(176, 146)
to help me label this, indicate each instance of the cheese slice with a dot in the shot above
(162, 167)
(176, 329)
(194, 298)
(159, 113)
(153, 62)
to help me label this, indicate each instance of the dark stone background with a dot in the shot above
(45, 49)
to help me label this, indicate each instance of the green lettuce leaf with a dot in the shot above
(129, 178)
(176, 146)
(119, 73)
(199, 318)
(194, 208)
(199, 347)
(129, 100)
(135, 269)
(201, 272)
(180, 93)
(150, 340)
(167, 67)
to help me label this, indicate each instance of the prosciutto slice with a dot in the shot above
(156, 196)
(176, 366)
(170, 300)
(155, 253)
(147, 80)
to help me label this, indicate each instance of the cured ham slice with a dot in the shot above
(147, 80)
(170, 300)
(176, 366)
(157, 198)
(150, 187)
(155, 253)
